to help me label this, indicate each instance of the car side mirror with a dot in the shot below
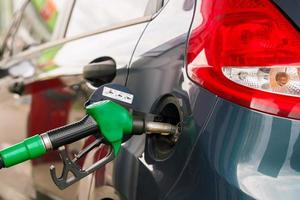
(100, 71)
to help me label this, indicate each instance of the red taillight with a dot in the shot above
(247, 52)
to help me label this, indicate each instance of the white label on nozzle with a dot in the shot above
(118, 95)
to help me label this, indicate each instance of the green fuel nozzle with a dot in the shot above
(110, 117)
(105, 119)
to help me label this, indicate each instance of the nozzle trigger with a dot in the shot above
(70, 167)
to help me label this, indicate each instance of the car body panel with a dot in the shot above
(290, 8)
(242, 154)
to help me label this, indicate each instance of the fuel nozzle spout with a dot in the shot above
(142, 125)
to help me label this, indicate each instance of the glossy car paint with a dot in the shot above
(242, 154)
(290, 8)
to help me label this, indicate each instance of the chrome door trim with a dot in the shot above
(29, 53)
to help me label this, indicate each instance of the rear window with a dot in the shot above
(92, 15)
(33, 25)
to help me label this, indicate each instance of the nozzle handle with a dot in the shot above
(113, 120)
(72, 132)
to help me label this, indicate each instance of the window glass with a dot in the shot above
(5, 16)
(95, 14)
(35, 25)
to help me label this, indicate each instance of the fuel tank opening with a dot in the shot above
(161, 146)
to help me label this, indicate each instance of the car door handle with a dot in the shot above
(102, 71)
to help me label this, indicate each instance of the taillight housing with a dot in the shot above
(246, 52)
